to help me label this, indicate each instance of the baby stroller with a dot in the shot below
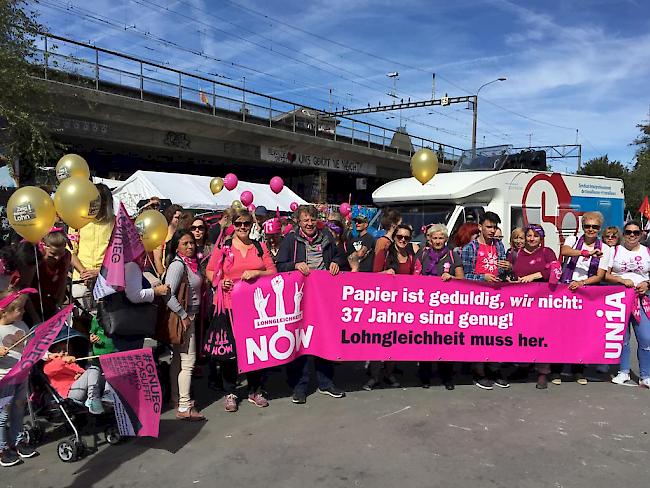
(47, 408)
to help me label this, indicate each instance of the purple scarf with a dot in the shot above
(570, 267)
(434, 259)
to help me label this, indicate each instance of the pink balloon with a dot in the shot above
(230, 181)
(345, 209)
(276, 184)
(246, 198)
(293, 206)
(251, 208)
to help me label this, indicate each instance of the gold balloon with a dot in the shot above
(77, 201)
(237, 205)
(216, 185)
(424, 165)
(72, 165)
(152, 227)
(31, 213)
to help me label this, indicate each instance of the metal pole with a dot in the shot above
(46, 58)
(335, 124)
(369, 136)
(214, 99)
(96, 69)
(353, 132)
(180, 90)
(579, 156)
(270, 112)
(383, 141)
(474, 121)
(244, 97)
(141, 82)
(294, 118)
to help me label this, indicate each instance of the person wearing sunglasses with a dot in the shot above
(240, 258)
(630, 266)
(587, 260)
(612, 236)
(307, 249)
(400, 259)
(199, 230)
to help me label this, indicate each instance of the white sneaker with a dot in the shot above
(623, 379)
(644, 383)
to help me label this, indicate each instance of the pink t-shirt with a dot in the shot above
(486, 260)
(235, 263)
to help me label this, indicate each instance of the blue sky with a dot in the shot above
(579, 64)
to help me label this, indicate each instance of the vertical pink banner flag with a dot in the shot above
(125, 246)
(136, 390)
(33, 352)
(359, 317)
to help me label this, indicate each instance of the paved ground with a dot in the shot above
(568, 436)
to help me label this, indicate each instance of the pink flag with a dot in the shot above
(136, 391)
(32, 353)
(124, 247)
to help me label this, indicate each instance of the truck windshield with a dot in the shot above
(419, 215)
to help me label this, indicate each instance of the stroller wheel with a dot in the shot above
(112, 435)
(33, 433)
(67, 451)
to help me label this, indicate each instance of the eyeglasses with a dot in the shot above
(591, 226)
(197, 227)
(401, 237)
(239, 224)
(632, 232)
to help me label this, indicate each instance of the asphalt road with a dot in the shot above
(567, 436)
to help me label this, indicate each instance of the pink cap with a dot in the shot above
(272, 226)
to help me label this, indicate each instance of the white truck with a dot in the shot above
(519, 196)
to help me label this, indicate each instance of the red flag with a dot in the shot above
(644, 209)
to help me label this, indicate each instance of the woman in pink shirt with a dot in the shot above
(533, 264)
(240, 258)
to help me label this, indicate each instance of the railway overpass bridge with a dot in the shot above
(124, 113)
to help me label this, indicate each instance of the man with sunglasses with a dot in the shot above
(484, 259)
(304, 250)
(363, 244)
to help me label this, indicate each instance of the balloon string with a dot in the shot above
(38, 280)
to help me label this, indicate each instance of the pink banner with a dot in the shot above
(124, 247)
(136, 390)
(358, 317)
(33, 352)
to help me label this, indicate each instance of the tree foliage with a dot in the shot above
(24, 104)
(638, 183)
(602, 166)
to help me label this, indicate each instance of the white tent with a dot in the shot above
(193, 192)
(6, 180)
(111, 184)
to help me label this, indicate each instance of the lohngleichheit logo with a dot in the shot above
(282, 343)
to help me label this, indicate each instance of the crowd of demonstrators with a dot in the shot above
(192, 275)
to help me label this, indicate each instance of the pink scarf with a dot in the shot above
(191, 263)
(644, 302)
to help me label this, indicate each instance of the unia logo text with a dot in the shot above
(615, 319)
(282, 343)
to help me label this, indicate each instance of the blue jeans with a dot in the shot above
(642, 333)
(11, 418)
(298, 373)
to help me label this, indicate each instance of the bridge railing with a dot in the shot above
(72, 62)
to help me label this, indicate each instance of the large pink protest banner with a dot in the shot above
(136, 390)
(38, 344)
(359, 316)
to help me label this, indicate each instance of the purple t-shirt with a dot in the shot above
(537, 261)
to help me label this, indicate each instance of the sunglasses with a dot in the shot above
(632, 232)
(400, 237)
(591, 226)
(611, 236)
(197, 227)
(239, 224)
